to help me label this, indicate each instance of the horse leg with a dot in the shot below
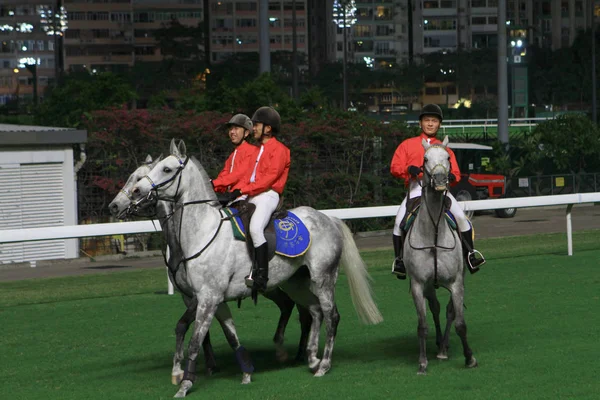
(312, 345)
(305, 323)
(434, 307)
(332, 319)
(461, 325)
(422, 329)
(180, 330)
(443, 351)
(205, 312)
(223, 315)
(286, 306)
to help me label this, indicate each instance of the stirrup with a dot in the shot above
(249, 281)
(478, 257)
(396, 271)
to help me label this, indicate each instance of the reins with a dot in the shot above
(434, 221)
(171, 213)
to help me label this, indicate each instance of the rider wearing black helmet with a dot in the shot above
(264, 185)
(406, 165)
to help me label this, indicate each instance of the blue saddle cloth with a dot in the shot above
(292, 236)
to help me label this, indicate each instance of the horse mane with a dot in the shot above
(201, 169)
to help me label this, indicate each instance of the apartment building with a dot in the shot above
(234, 27)
(111, 35)
(27, 35)
(377, 33)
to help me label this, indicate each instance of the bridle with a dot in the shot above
(435, 220)
(154, 197)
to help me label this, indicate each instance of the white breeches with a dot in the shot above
(415, 191)
(266, 203)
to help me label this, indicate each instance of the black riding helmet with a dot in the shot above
(431, 109)
(268, 116)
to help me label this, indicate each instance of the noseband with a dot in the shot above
(437, 167)
(153, 193)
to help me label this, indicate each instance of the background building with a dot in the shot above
(111, 35)
(27, 36)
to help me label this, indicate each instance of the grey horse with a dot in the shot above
(433, 258)
(120, 207)
(215, 264)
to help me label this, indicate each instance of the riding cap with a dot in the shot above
(240, 120)
(431, 109)
(268, 116)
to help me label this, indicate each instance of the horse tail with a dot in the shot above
(358, 278)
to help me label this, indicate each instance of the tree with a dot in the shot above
(65, 104)
(571, 142)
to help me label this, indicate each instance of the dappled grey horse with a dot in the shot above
(433, 258)
(120, 207)
(215, 264)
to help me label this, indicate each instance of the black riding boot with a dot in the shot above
(260, 275)
(473, 258)
(399, 269)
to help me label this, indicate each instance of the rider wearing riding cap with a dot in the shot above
(242, 158)
(264, 183)
(406, 165)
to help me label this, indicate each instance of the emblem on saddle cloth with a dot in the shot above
(291, 235)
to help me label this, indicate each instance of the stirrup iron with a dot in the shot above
(478, 256)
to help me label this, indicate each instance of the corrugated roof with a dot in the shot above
(28, 135)
(29, 128)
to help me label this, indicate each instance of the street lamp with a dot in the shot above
(344, 15)
(31, 65)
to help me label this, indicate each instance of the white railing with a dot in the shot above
(149, 226)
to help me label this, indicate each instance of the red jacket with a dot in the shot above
(271, 172)
(242, 158)
(411, 152)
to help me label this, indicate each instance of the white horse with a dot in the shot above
(433, 258)
(215, 264)
(120, 207)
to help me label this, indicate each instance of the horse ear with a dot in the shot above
(153, 164)
(182, 149)
(148, 159)
(173, 147)
(446, 141)
(425, 144)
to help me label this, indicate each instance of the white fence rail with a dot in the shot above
(148, 226)
(119, 228)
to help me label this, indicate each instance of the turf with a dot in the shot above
(532, 316)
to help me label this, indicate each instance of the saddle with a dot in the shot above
(246, 210)
(285, 233)
(412, 209)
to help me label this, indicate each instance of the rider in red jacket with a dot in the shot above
(264, 185)
(406, 164)
(242, 158)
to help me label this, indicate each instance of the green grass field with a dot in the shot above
(532, 314)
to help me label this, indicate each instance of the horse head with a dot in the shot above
(171, 181)
(436, 165)
(120, 206)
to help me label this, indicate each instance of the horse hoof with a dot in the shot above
(422, 370)
(246, 378)
(176, 379)
(472, 363)
(183, 389)
(281, 355)
(442, 356)
(314, 366)
(322, 370)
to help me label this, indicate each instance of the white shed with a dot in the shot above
(38, 188)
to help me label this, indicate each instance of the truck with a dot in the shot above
(477, 182)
